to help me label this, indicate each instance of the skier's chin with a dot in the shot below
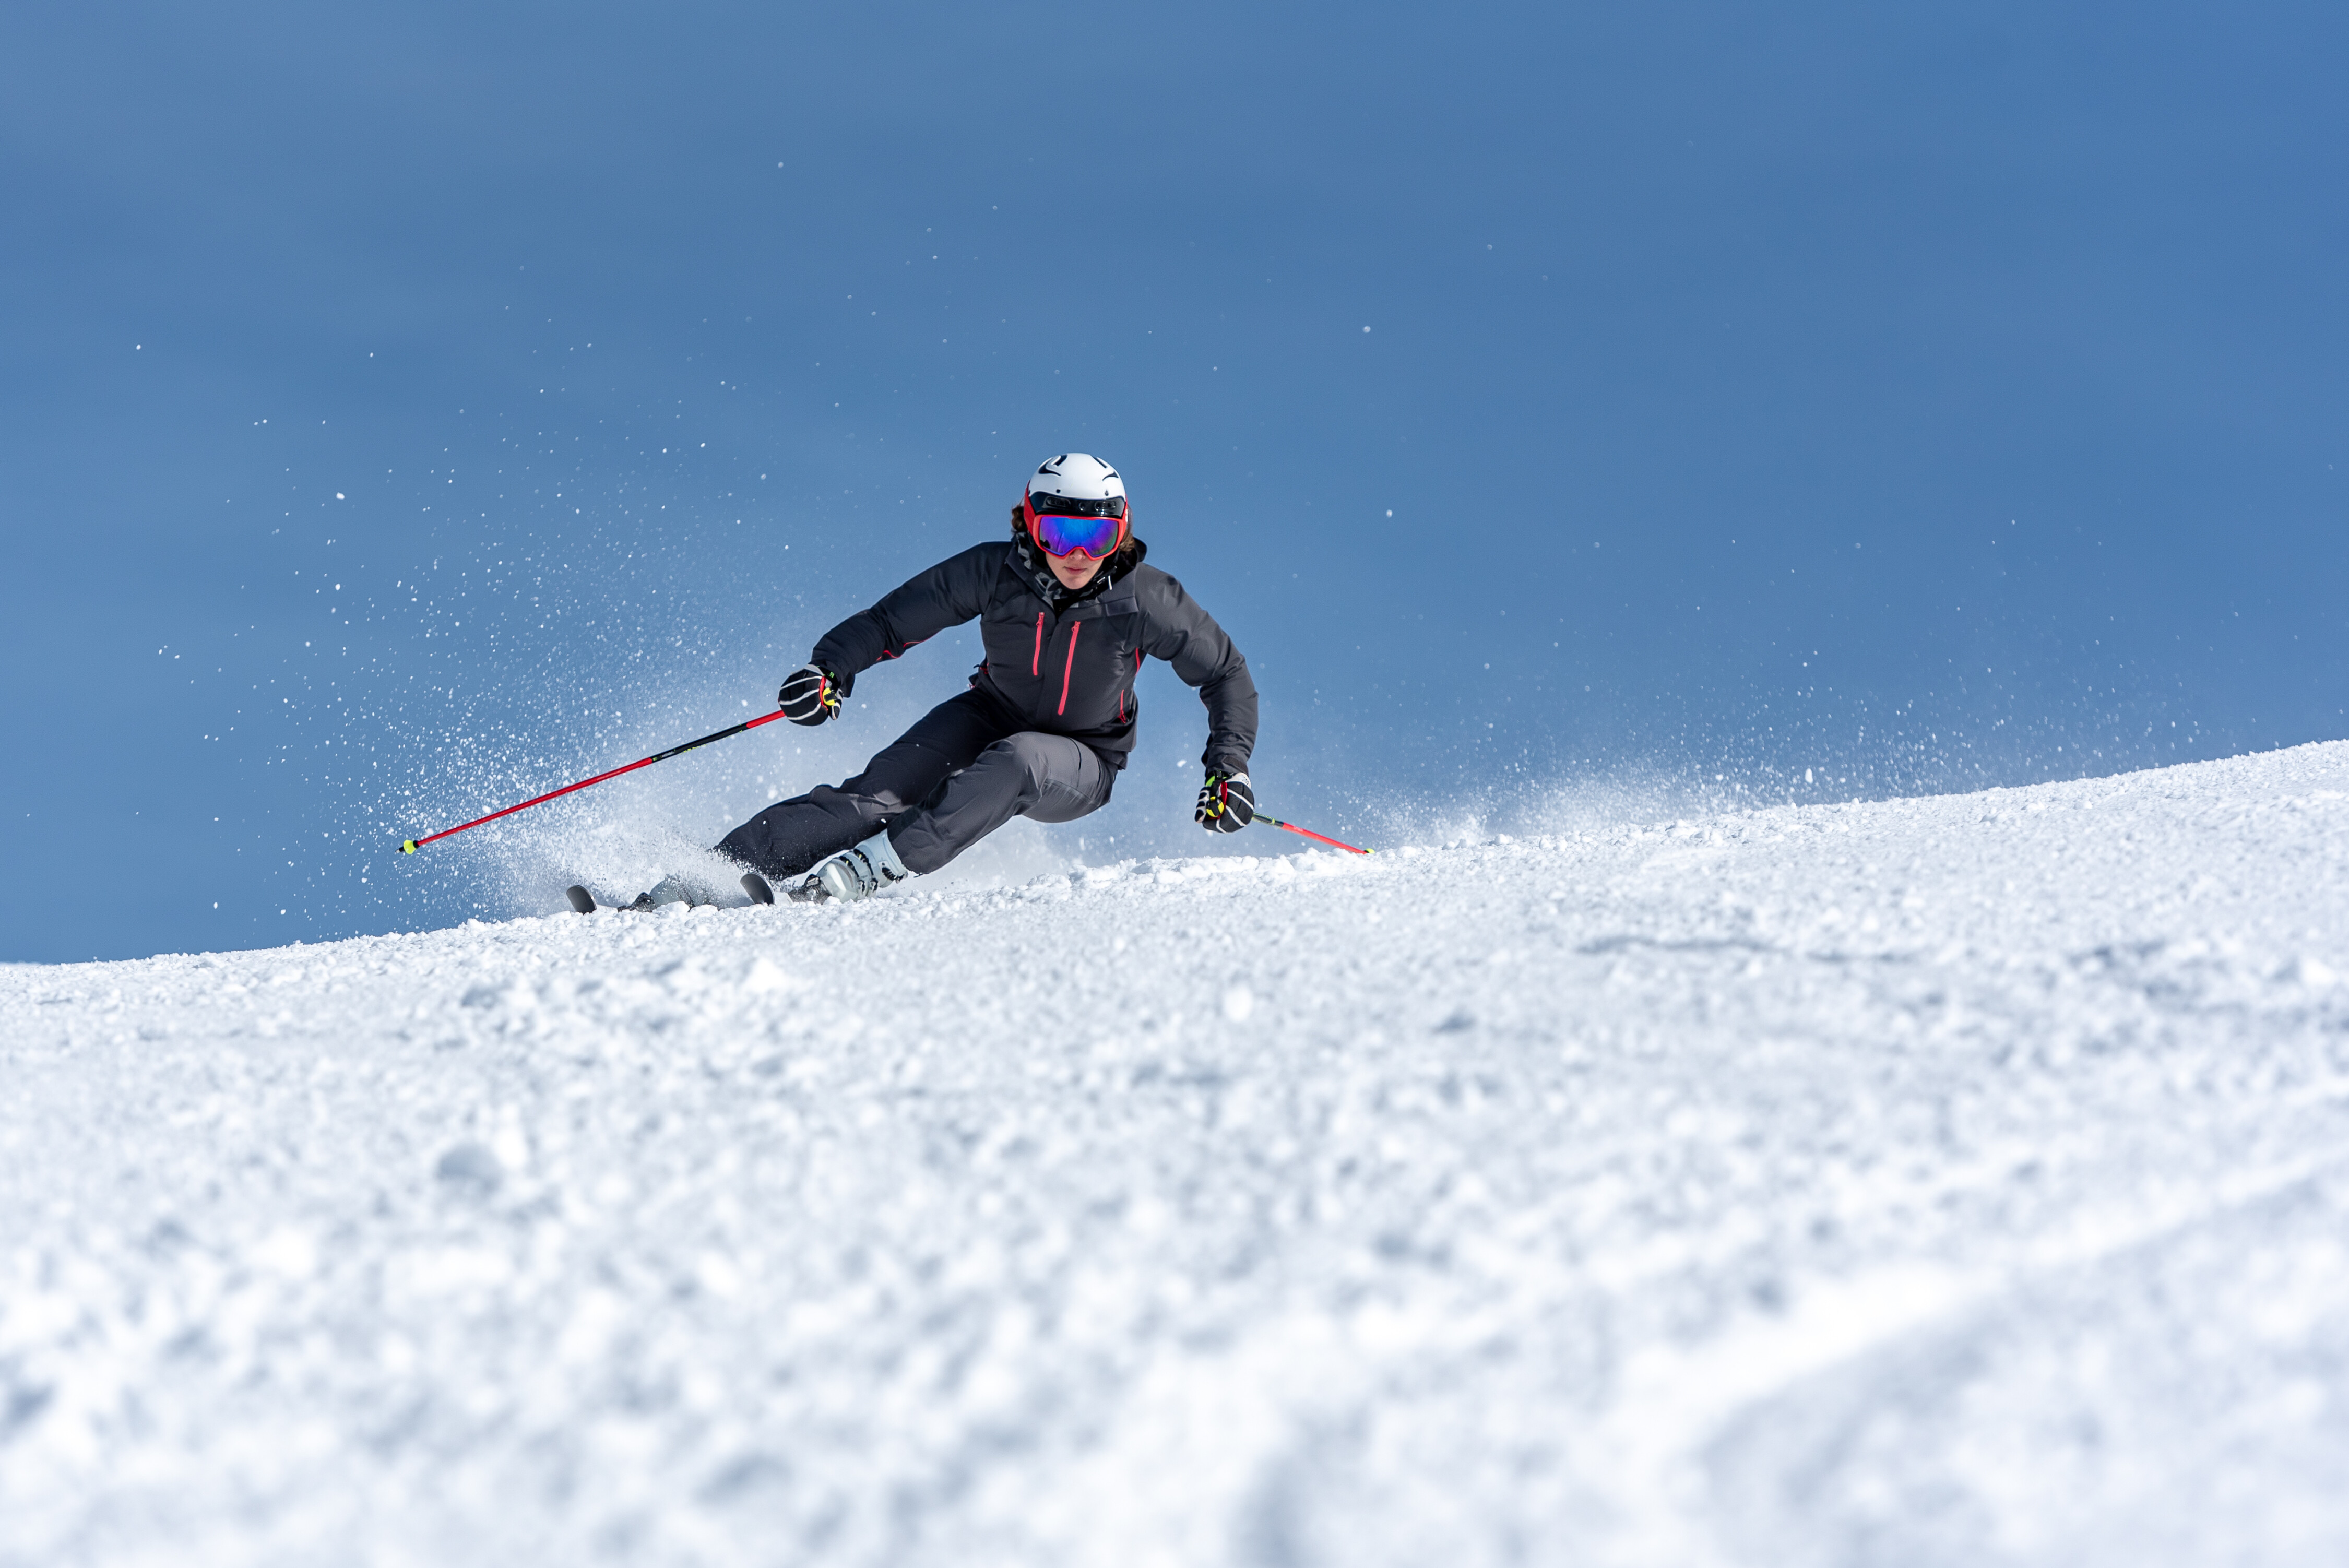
(1073, 571)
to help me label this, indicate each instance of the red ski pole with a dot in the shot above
(410, 846)
(1277, 823)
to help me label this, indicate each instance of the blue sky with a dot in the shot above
(411, 409)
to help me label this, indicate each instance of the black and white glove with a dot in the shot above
(811, 695)
(1227, 803)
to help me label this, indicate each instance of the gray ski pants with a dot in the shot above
(961, 772)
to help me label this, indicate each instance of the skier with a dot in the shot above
(1068, 611)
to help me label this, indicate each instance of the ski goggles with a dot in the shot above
(1095, 532)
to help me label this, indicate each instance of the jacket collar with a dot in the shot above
(1030, 563)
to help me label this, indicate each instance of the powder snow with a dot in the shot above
(1956, 1179)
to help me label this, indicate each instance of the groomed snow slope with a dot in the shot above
(1954, 1181)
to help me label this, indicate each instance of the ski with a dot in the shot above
(759, 890)
(584, 902)
(805, 891)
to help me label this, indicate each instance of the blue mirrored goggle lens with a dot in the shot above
(1059, 535)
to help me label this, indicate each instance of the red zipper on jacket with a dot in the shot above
(1036, 665)
(1074, 628)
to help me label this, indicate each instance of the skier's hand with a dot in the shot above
(810, 696)
(1227, 803)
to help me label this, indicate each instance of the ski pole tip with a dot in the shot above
(408, 846)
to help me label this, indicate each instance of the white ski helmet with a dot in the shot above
(1079, 477)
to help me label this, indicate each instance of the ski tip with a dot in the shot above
(580, 899)
(408, 846)
(756, 886)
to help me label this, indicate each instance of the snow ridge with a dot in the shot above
(1959, 1178)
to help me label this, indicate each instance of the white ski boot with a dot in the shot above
(860, 872)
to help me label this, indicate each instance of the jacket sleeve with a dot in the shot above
(947, 594)
(1178, 630)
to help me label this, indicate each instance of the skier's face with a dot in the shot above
(1074, 570)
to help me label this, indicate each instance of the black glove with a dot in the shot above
(1227, 803)
(810, 696)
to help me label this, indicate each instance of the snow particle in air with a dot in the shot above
(470, 1169)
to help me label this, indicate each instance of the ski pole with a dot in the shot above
(1277, 823)
(410, 846)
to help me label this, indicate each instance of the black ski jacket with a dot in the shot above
(1059, 662)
